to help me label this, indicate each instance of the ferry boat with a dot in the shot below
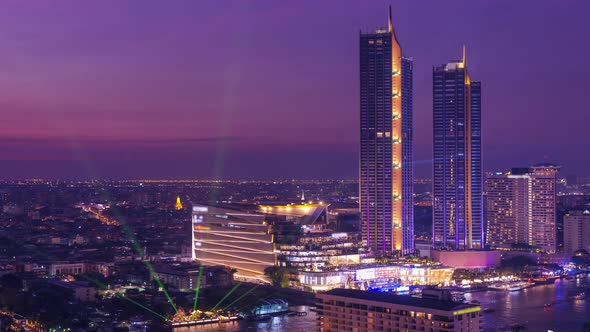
(515, 287)
(511, 287)
(267, 309)
(580, 296)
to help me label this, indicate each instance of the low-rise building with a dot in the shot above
(184, 276)
(355, 310)
(79, 290)
(467, 259)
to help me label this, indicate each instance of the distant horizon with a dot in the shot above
(252, 90)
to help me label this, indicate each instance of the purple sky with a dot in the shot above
(201, 89)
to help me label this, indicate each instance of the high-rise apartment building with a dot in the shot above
(386, 172)
(520, 207)
(457, 181)
(576, 231)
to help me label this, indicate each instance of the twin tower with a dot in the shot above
(386, 150)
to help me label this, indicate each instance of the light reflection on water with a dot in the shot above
(525, 307)
(528, 307)
(307, 323)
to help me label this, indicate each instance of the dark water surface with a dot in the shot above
(527, 307)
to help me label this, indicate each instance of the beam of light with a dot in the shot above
(142, 306)
(241, 297)
(226, 295)
(139, 251)
(96, 282)
(103, 286)
(198, 288)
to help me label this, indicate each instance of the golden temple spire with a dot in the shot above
(178, 205)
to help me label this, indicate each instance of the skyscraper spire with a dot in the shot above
(389, 21)
(390, 26)
(464, 59)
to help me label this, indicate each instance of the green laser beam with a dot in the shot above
(149, 266)
(226, 295)
(142, 306)
(139, 251)
(241, 297)
(98, 283)
(103, 286)
(198, 288)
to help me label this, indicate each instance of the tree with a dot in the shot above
(279, 276)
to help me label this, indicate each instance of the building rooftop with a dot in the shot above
(400, 299)
(70, 285)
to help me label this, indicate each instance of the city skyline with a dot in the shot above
(138, 112)
(294, 165)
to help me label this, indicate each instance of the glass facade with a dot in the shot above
(457, 178)
(386, 180)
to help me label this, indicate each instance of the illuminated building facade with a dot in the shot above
(232, 238)
(543, 213)
(506, 213)
(467, 259)
(386, 172)
(521, 208)
(317, 250)
(303, 239)
(356, 310)
(376, 276)
(457, 180)
(576, 231)
(312, 217)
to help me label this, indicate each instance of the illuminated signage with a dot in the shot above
(466, 311)
(200, 209)
(365, 274)
(339, 235)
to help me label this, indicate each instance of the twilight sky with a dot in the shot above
(251, 89)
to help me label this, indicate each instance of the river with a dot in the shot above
(528, 307)
(524, 307)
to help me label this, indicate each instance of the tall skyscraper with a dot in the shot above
(521, 209)
(543, 229)
(457, 192)
(386, 172)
